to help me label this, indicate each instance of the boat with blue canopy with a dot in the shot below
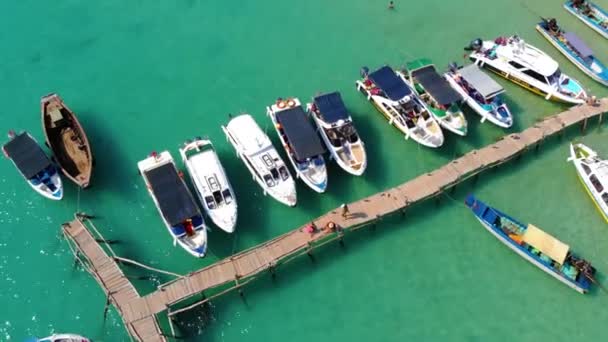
(301, 142)
(535, 245)
(174, 202)
(398, 103)
(337, 130)
(34, 165)
(590, 14)
(573, 47)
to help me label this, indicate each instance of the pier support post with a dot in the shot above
(453, 189)
(309, 252)
(584, 127)
(599, 122)
(272, 271)
(106, 307)
(341, 238)
(76, 258)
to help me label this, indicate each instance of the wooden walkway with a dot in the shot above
(232, 273)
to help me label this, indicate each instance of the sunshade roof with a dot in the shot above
(174, 199)
(437, 86)
(27, 155)
(578, 45)
(300, 133)
(331, 107)
(393, 86)
(546, 243)
(479, 80)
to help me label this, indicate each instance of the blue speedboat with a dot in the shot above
(591, 14)
(536, 246)
(575, 49)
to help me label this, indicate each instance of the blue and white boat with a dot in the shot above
(533, 244)
(574, 49)
(591, 14)
(63, 338)
(34, 165)
(481, 93)
(174, 202)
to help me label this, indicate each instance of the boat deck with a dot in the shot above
(234, 272)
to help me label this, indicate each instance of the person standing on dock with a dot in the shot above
(345, 211)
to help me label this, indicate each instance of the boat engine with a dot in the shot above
(364, 71)
(474, 45)
(453, 67)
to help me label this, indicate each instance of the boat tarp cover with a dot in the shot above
(300, 134)
(437, 86)
(331, 107)
(546, 243)
(583, 50)
(27, 155)
(393, 86)
(479, 80)
(174, 199)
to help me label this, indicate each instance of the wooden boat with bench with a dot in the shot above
(67, 140)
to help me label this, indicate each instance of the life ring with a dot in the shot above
(331, 226)
(291, 103)
(281, 104)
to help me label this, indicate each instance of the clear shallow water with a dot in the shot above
(145, 77)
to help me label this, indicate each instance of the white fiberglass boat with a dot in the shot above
(337, 129)
(64, 338)
(593, 173)
(254, 148)
(211, 183)
(403, 109)
(174, 202)
(301, 142)
(528, 67)
(34, 165)
(481, 93)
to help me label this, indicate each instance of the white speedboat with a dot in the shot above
(34, 165)
(481, 93)
(174, 202)
(301, 142)
(254, 148)
(337, 129)
(64, 338)
(211, 183)
(593, 173)
(402, 108)
(528, 67)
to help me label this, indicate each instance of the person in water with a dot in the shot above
(391, 5)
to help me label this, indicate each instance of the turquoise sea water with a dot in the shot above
(146, 76)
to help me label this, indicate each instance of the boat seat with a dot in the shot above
(56, 116)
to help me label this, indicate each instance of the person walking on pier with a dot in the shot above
(345, 211)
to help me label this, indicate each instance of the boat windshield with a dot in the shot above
(284, 173)
(268, 179)
(227, 196)
(555, 77)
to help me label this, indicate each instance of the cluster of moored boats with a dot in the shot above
(418, 99)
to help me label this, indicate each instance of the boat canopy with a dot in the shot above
(393, 86)
(300, 134)
(27, 155)
(331, 107)
(435, 85)
(547, 244)
(174, 199)
(577, 44)
(480, 81)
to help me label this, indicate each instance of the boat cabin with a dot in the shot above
(596, 176)
(434, 87)
(390, 85)
(481, 86)
(303, 142)
(578, 46)
(30, 160)
(331, 110)
(174, 200)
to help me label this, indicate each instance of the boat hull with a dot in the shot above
(593, 194)
(68, 142)
(601, 77)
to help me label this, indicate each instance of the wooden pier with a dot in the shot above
(138, 312)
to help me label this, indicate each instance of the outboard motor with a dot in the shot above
(453, 67)
(364, 71)
(474, 45)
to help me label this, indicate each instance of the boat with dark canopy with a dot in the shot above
(437, 94)
(34, 165)
(67, 140)
(174, 202)
(337, 130)
(301, 142)
(481, 93)
(533, 244)
(396, 101)
(575, 49)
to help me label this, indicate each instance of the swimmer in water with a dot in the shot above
(391, 5)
